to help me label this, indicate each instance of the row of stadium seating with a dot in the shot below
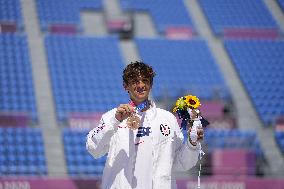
(231, 139)
(170, 14)
(16, 82)
(22, 152)
(79, 161)
(63, 11)
(82, 78)
(223, 14)
(86, 73)
(10, 11)
(260, 67)
(184, 66)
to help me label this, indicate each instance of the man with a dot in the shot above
(144, 143)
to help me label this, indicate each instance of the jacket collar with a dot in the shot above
(152, 111)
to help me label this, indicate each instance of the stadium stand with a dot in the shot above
(232, 152)
(54, 12)
(17, 90)
(86, 73)
(232, 139)
(64, 12)
(79, 161)
(260, 67)
(165, 15)
(10, 11)
(237, 14)
(22, 152)
(184, 66)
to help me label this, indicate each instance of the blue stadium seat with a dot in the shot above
(16, 83)
(164, 14)
(223, 14)
(183, 66)
(240, 139)
(79, 161)
(86, 73)
(260, 67)
(91, 4)
(10, 11)
(22, 158)
(63, 11)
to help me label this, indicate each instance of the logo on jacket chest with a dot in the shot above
(143, 131)
(165, 129)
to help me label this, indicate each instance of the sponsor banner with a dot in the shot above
(63, 28)
(48, 183)
(233, 162)
(179, 32)
(15, 119)
(118, 25)
(214, 182)
(225, 122)
(8, 27)
(223, 182)
(84, 121)
(214, 112)
(251, 33)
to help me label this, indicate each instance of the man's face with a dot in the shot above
(138, 89)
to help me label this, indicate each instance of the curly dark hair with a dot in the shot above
(138, 69)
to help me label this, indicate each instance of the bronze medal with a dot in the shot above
(133, 122)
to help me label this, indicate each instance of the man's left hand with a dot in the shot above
(200, 135)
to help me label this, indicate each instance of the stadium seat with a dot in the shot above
(22, 158)
(16, 83)
(79, 161)
(260, 67)
(232, 139)
(62, 12)
(171, 13)
(86, 74)
(184, 66)
(10, 11)
(237, 14)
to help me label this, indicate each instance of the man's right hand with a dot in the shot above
(124, 111)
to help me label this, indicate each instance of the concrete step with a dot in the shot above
(46, 111)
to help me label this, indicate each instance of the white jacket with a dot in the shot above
(168, 150)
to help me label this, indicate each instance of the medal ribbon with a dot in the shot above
(133, 121)
(141, 106)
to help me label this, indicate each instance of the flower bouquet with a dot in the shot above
(186, 108)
